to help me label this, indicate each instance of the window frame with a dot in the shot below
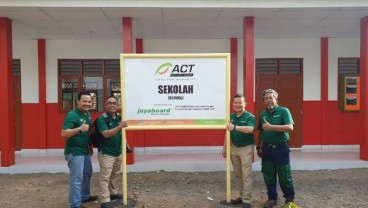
(340, 77)
(264, 63)
(80, 77)
(60, 94)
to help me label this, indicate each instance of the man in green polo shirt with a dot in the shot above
(241, 130)
(275, 123)
(109, 152)
(78, 151)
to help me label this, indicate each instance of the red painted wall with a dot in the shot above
(343, 128)
(30, 136)
(54, 123)
(30, 139)
(153, 138)
(312, 123)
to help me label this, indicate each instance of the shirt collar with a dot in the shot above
(277, 107)
(80, 112)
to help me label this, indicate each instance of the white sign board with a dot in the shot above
(175, 90)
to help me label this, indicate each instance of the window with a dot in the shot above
(349, 65)
(113, 88)
(349, 84)
(101, 78)
(282, 66)
(16, 67)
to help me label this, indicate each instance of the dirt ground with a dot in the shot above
(314, 189)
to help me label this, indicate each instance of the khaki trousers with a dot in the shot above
(110, 169)
(241, 158)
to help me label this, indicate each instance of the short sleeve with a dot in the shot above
(251, 121)
(101, 124)
(69, 121)
(287, 118)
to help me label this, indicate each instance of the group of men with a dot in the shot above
(274, 125)
(78, 149)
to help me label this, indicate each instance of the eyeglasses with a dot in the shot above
(112, 103)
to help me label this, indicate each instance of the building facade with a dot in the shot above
(314, 54)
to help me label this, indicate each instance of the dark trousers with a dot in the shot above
(276, 163)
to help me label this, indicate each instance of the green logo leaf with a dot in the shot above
(163, 68)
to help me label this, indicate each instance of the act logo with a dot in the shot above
(184, 70)
(163, 68)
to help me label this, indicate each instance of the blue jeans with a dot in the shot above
(79, 179)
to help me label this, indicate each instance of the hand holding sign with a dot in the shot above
(229, 126)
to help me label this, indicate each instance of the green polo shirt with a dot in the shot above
(77, 144)
(238, 138)
(279, 116)
(110, 146)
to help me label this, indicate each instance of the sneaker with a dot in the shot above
(291, 205)
(246, 205)
(237, 201)
(270, 203)
(287, 200)
(116, 196)
(90, 199)
(107, 205)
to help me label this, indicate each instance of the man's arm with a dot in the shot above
(286, 127)
(279, 128)
(259, 145)
(259, 142)
(224, 148)
(244, 129)
(111, 132)
(67, 133)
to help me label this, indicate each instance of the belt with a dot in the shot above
(274, 146)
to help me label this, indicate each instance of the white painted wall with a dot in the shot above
(197, 46)
(83, 49)
(339, 48)
(308, 49)
(26, 51)
(187, 46)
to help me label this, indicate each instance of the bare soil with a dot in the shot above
(314, 189)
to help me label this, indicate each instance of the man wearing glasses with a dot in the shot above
(109, 152)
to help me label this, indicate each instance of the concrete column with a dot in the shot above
(234, 69)
(7, 133)
(364, 85)
(248, 62)
(42, 124)
(324, 91)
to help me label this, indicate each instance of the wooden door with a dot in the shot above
(289, 86)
